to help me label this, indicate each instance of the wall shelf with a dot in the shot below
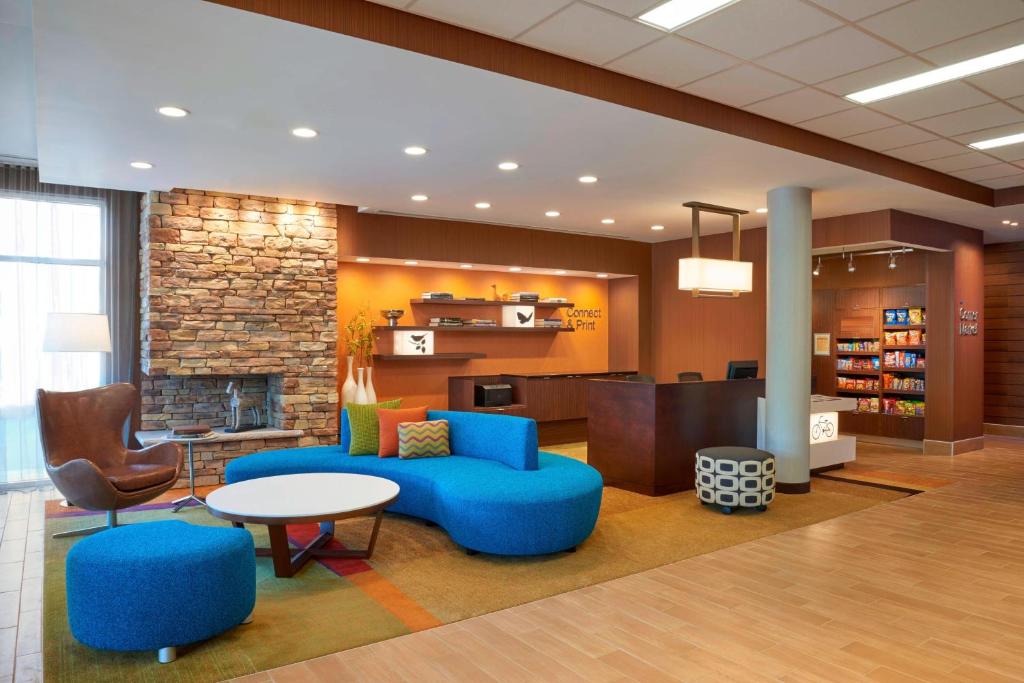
(908, 392)
(463, 302)
(843, 371)
(858, 353)
(861, 392)
(887, 368)
(467, 328)
(424, 357)
(900, 328)
(919, 347)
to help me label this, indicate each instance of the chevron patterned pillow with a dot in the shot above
(423, 439)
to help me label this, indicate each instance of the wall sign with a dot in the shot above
(967, 326)
(824, 427)
(822, 344)
(583, 319)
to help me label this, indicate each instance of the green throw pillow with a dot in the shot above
(365, 426)
(423, 439)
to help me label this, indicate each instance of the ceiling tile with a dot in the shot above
(672, 61)
(1008, 181)
(592, 35)
(975, 45)
(741, 85)
(875, 75)
(1005, 82)
(627, 8)
(1013, 153)
(959, 162)
(505, 19)
(921, 24)
(857, 9)
(926, 150)
(989, 133)
(800, 105)
(849, 122)
(988, 172)
(753, 28)
(830, 55)
(977, 118)
(940, 99)
(1017, 102)
(889, 138)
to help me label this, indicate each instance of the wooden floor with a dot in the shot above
(927, 588)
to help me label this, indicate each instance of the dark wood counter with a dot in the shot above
(643, 437)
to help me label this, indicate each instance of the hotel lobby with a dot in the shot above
(478, 340)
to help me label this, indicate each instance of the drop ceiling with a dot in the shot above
(793, 60)
(249, 79)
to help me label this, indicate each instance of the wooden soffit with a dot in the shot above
(388, 26)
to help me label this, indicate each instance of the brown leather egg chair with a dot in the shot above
(83, 445)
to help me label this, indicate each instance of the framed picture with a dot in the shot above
(822, 344)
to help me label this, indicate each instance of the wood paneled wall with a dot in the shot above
(704, 334)
(1004, 333)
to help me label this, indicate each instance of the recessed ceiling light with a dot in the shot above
(466, 265)
(362, 259)
(515, 269)
(608, 221)
(415, 151)
(483, 205)
(412, 263)
(675, 14)
(761, 210)
(1006, 222)
(304, 132)
(144, 165)
(419, 197)
(588, 179)
(998, 142)
(173, 112)
(1013, 224)
(559, 272)
(508, 166)
(552, 214)
(943, 74)
(657, 227)
(602, 275)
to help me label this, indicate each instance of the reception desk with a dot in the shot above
(644, 437)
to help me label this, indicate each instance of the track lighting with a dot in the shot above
(817, 269)
(851, 268)
(892, 260)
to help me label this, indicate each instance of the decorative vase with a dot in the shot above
(371, 393)
(360, 389)
(348, 389)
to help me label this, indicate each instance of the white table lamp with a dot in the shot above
(77, 332)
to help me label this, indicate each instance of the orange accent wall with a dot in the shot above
(426, 382)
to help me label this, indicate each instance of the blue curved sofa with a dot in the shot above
(496, 494)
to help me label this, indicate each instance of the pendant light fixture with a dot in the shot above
(708, 277)
(892, 260)
(851, 268)
(817, 269)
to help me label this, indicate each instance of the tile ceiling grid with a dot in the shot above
(898, 127)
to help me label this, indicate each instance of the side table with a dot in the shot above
(185, 500)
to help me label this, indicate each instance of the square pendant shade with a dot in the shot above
(77, 332)
(715, 275)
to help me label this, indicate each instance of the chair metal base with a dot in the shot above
(111, 523)
(185, 500)
(166, 655)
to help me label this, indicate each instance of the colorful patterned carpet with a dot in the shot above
(417, 579)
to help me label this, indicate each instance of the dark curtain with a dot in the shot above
(121, 215)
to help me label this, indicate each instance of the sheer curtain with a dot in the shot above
(62, 249)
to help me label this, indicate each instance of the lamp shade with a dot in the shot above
(715, 275)
(77, 332)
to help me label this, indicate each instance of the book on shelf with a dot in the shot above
(554, 300)
(481, 322)
(437, 296)
(551, 322)
(525, 297)
(446, 322)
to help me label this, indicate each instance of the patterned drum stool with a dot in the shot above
(734, 476)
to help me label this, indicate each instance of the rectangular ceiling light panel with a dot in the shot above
(998, 142)
(675, 14)
(943, 74)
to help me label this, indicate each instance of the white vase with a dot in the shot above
(360, 389)
(371, 393)
(348, 389)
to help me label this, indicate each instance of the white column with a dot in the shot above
(788, 371)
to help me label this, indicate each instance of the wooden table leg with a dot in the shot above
(287, 565)
(280, 551)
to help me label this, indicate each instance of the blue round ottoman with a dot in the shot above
(159, 585)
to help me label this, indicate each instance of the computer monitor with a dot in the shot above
(741, 369)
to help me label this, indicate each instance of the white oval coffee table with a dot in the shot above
(303, 499)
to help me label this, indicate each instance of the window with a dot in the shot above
(51, 260)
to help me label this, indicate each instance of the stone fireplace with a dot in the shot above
(239, 288)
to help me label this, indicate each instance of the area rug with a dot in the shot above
(416, 580)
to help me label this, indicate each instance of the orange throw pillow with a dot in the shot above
(389, 419)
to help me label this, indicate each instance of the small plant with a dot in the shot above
(359, 338)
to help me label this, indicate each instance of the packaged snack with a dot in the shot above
(875, 365)
(901, 338)
(914, 337)
(874, 405)
(890, 316)
(901, 316)
(890, 359)
(890, 338)
(914, 316)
